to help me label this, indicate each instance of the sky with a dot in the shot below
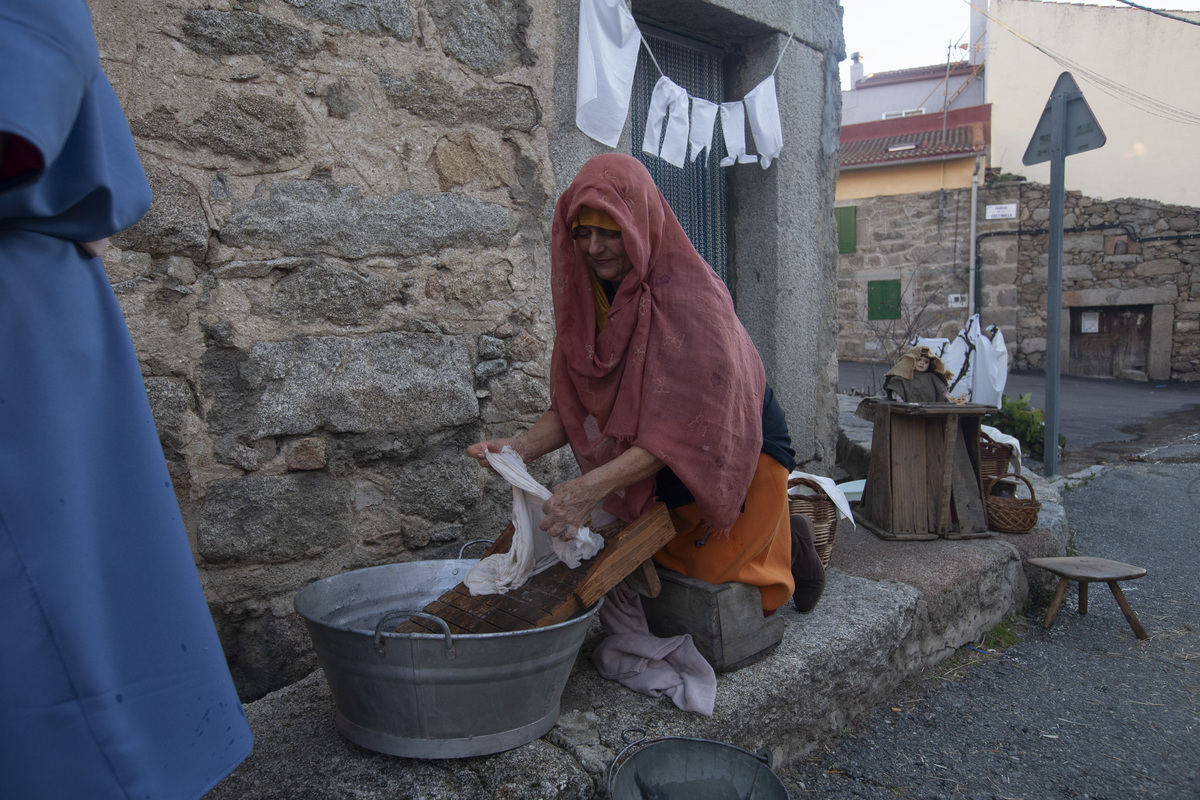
(898, 34)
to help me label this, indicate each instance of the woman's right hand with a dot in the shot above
(479, 450)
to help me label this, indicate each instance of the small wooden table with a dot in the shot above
(923, 478)
(1087, 569)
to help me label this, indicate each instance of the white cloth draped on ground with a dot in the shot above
(640, 661)
(532, 550)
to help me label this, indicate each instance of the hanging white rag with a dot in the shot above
(704, 119)
(762, 108)
(533, 550)
(830, 488)
(669, 102)
(608, 50)
(733, 127)
(641, 661)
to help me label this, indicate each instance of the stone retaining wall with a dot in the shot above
(343, 279)
(1129, 253)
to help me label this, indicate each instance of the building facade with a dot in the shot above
(1131, 276)
(1134, 69)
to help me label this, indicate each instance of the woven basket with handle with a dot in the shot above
(818, 508)
(1010, 514)
(993, 457)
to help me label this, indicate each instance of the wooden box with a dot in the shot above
(725, 620)
(923, 480)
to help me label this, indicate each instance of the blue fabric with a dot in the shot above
(113, 683)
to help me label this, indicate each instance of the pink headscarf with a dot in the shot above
(674, 373)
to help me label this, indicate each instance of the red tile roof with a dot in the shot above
(957, 69)
(963, 132)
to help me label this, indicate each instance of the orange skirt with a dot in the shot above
(757, 551)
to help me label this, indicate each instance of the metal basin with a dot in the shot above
(428, 695)
(680, 768)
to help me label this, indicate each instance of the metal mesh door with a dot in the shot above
(696, 192)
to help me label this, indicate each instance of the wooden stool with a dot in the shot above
(1086, 569)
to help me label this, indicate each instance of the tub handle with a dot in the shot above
(463, 549)
(391, 618)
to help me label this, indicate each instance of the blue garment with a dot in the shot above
(113, 683)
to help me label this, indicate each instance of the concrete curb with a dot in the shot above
(890, 609)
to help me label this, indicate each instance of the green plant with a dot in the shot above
(1017, 418)
(1002, 636)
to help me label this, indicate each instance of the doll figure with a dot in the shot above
(919, 377)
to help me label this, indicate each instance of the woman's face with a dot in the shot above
(604, 252)
(922, 364)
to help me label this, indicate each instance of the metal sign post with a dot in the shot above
(1067, 127)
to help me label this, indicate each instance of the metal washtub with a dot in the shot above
(683, 768)
(428, 695)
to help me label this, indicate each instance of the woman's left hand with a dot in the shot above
(572, 501)
(569, 507)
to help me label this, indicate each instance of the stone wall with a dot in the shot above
(343, 279)
(923, 239)
(1122, 252)
(1115, 254)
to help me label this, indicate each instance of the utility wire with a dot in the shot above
(1110, 87)
(1160, 13)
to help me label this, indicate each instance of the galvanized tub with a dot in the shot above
(682, 768)
(428, 695)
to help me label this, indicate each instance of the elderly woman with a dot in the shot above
(659, 391)
(919, 377)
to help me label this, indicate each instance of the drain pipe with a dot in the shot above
(973, 303)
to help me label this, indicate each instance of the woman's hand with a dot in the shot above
(479, 450)
(572, 501)
(568, 508)
(545, 436)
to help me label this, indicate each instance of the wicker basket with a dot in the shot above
(818, 508)
(1010, 514)
(993, 457)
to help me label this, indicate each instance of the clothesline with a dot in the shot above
(609, 40)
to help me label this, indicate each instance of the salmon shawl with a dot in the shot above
(674, 372)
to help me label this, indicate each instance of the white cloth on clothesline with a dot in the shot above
(704, 119)
(762, 110)
(733, 126)
(608, 50)
(533, 550)
(668, 102)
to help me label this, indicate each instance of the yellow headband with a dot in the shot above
(595, 218)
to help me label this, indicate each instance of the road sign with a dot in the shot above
(1067, 127)
(1082, 130)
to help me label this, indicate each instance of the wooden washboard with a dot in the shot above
(557, 593)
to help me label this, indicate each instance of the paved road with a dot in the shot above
(1082, 710)
(1103, 420)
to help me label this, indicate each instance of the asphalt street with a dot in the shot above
(1104, 420)
(1082, 709)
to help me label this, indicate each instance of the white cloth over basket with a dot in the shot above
(831, 489)
(533, 550)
